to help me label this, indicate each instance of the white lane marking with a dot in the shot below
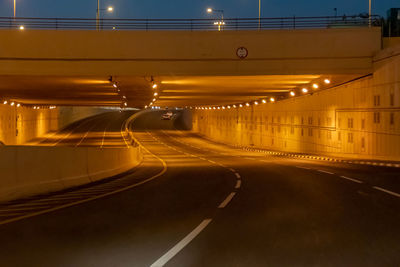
(227, 200)
(325, 172)
(238, 184)
(387, 191)
(183, 243)
(213, 162)
(237, 175)
(352, 179)
(232, 170)
(303, 168)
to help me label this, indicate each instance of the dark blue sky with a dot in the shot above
(191, 8)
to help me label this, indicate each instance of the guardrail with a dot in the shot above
(189, 24)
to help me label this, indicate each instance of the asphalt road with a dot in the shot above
(209, 204)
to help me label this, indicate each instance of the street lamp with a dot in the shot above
(370, 13)
(259, 14)
(219, 23)
(98, 13)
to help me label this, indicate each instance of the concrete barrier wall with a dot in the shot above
(27, 170)
(360, 119)
(19, 125)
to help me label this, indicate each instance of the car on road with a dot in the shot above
(167, 116)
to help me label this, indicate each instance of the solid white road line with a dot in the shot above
(227, 200)
(387, 191)
(325, 172)
(351, 179)
(237, 175)
(238, 184)
(183, 243)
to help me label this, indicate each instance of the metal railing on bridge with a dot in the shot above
(190, 24)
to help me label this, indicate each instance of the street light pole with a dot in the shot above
(220, 23)
(259, 14)
(370, 12)
(15, 8)
(98, 15)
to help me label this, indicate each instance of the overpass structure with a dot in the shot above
(66, 62)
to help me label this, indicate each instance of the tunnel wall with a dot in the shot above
(20, 125)
(29, 170)
(360, 119)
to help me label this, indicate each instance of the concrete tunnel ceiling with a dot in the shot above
(173, 91)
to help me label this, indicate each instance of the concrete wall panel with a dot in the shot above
(360, 119)
(30, 170)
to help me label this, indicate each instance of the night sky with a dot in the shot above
(191, 8)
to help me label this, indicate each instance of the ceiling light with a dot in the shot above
(115, 85)
(22, 27)
(5, 102)
(12, 103)
(292, 93)
(327, 81)
(240, 105)
(155, 94)
(18, 105)
(272, 99)
(234, 106)
(155, 86)
(315, 86)
(247, 104)
(255, 103)
(304, 90)
(264, 101)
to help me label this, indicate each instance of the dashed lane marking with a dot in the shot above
(183, 243)
(227, 200)
(237, 175)
(352, 179)
(387, 191)
(238, 184)
(326, 172)
(305, 168)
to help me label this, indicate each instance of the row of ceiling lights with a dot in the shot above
(15, 104)
(154, 86)
(124, 102)
(292, 93)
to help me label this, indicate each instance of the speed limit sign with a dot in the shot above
(242, 52)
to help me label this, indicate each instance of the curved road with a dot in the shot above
(213, 205)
